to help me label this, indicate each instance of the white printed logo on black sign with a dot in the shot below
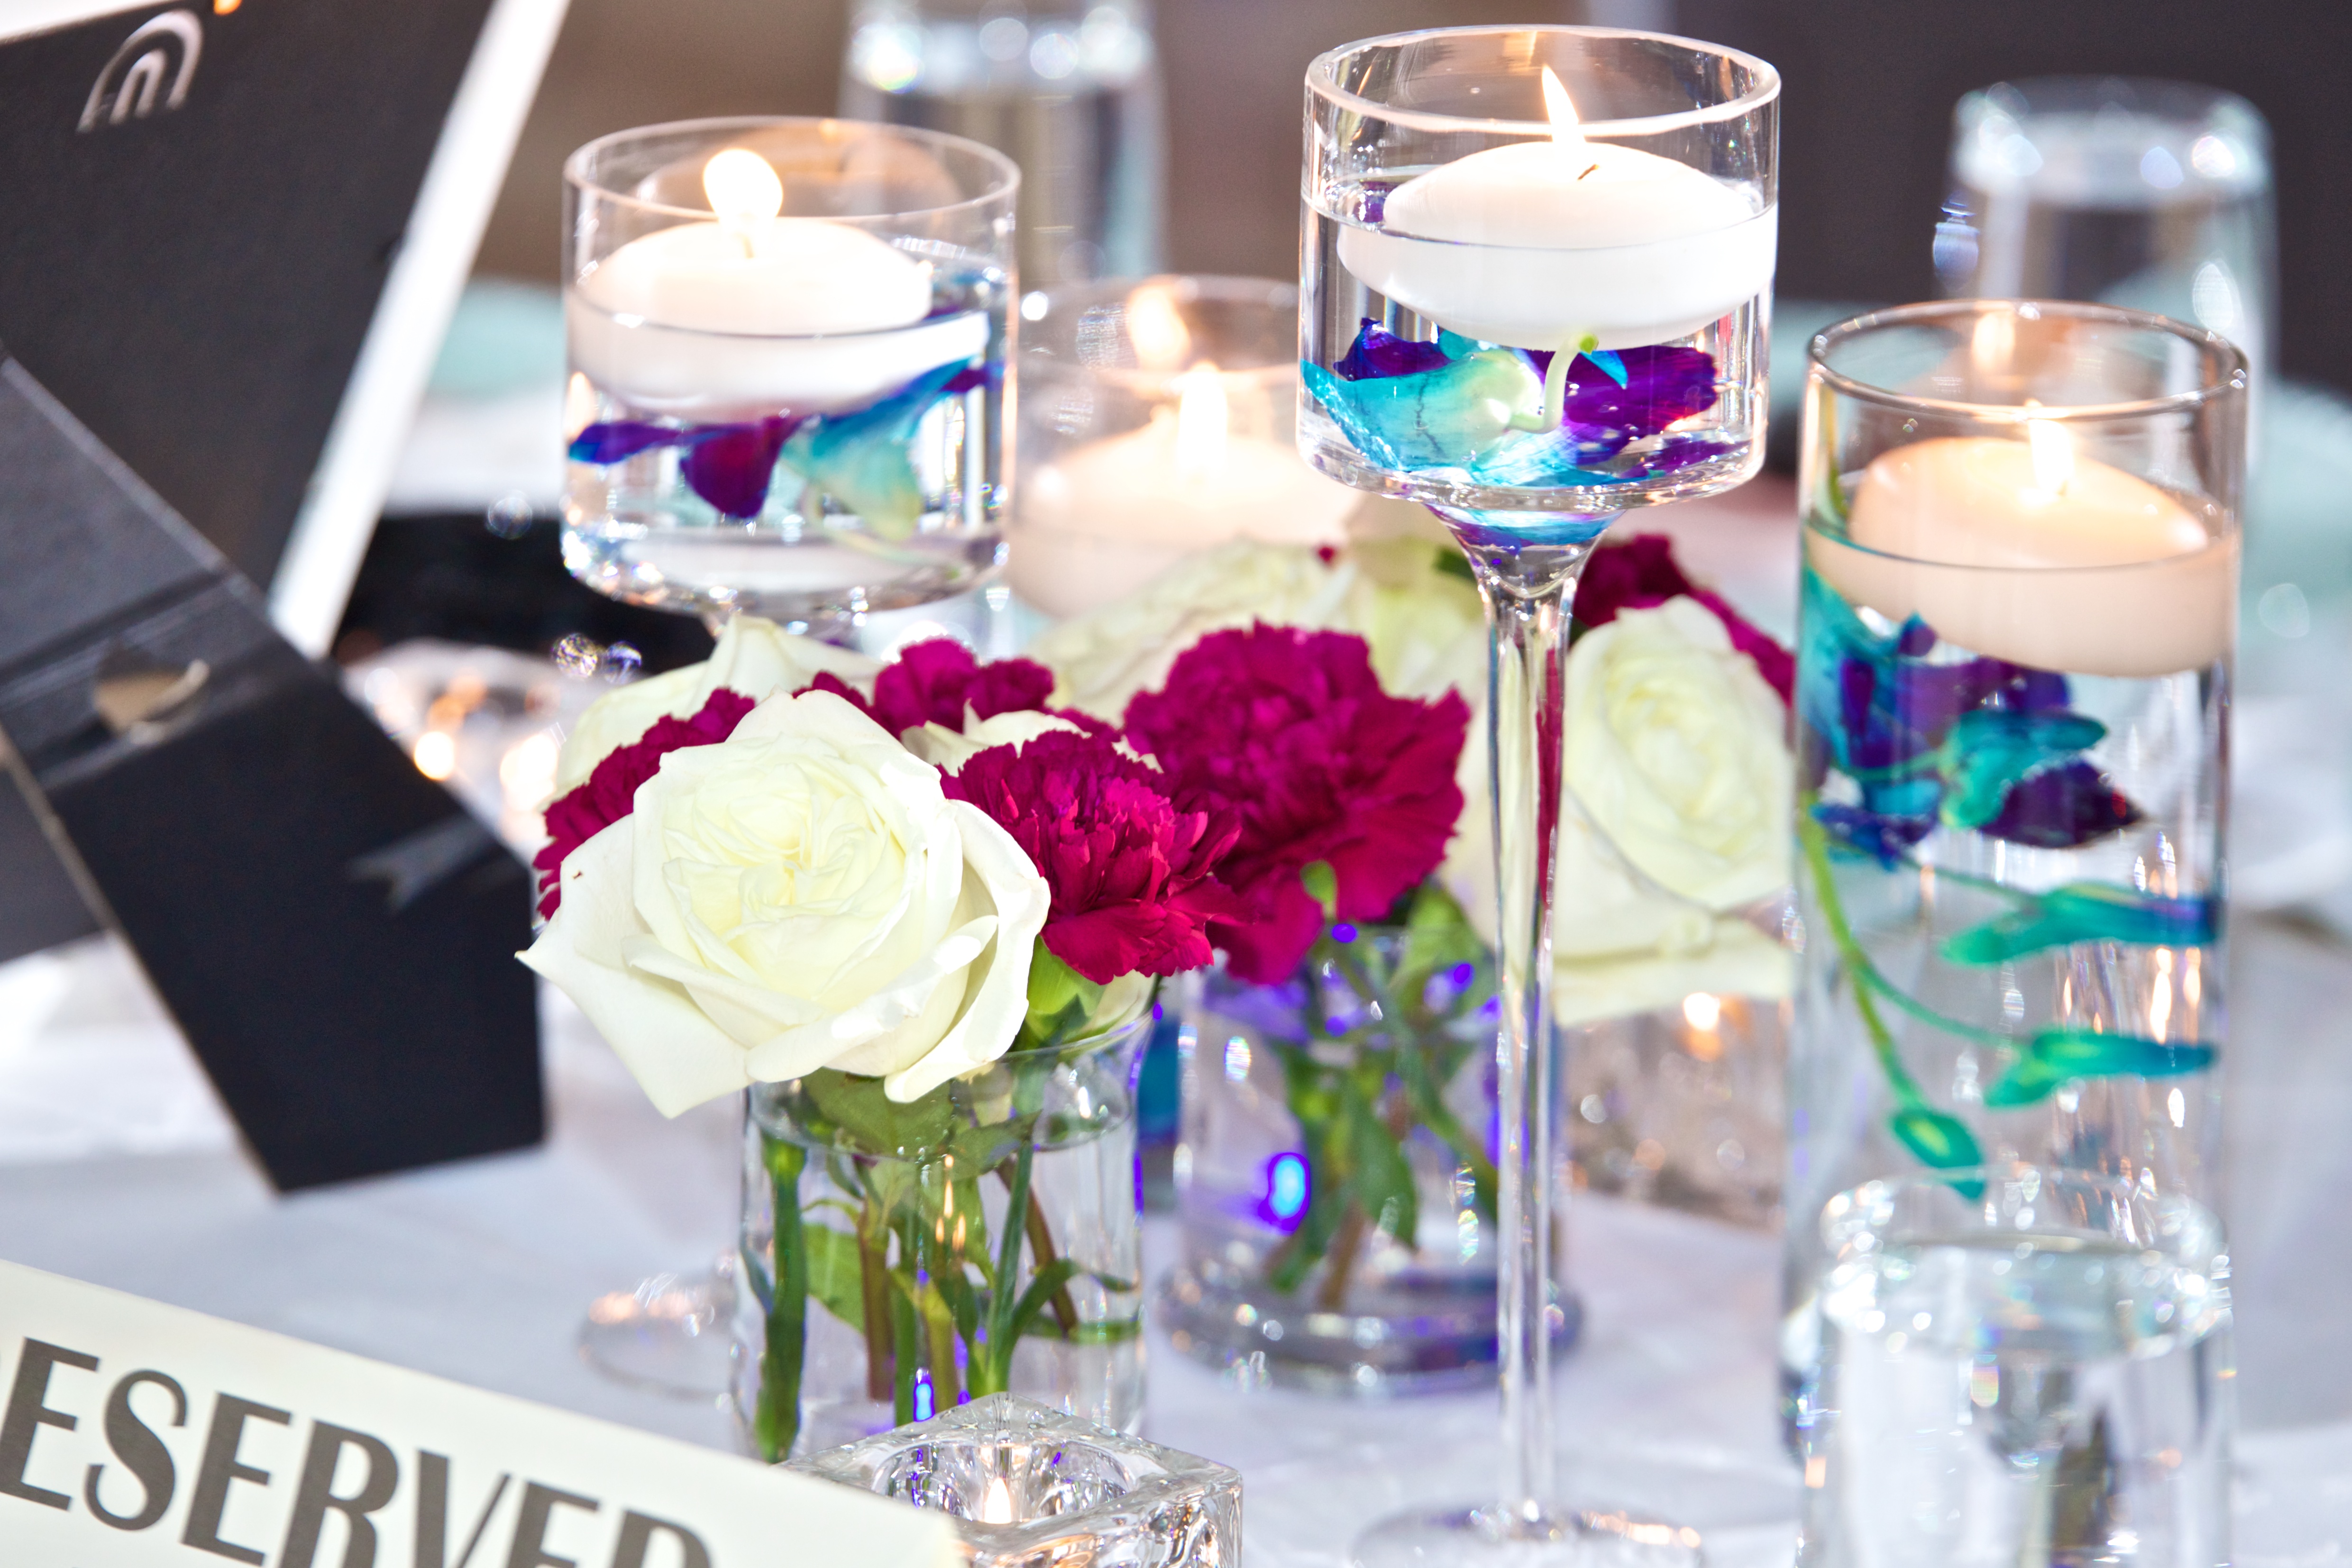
(135, 77)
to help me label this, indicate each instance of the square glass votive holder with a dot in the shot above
(1030, 1486)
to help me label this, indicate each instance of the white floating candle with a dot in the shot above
(755, 312)
(2026, 550)
(1102, 522)
(1540, 245)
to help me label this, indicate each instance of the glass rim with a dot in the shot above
(2231, 381)
(1322, 80)
(575, 164)
(2211, 97)
(1843, 1207)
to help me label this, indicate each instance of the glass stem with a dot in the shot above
(1527, 586)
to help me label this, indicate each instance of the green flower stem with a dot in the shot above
(1858, 963)
(776, 1420)
(1001, 1302)
(874, 1289)
(905, 1336)
(1042, 1255)
(1421, 1091)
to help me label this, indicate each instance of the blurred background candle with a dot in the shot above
(1157, 421)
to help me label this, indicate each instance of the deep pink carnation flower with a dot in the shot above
(1640, 574)
(1290, 730)
(1133, 878)
(934, 682)
(611, 793)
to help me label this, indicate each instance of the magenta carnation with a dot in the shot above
(1642, 574)
(934, 682)
(610, 791)
(1290, 730)
(1132, 877)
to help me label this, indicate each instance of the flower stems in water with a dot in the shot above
(777, 1417)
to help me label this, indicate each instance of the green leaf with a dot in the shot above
(2029, 1082)
(876, 1123)
(1048, 1279)
(1060, 998)
(2058, 1056)
(1938, 1139)
(1437, 935)
(2085, 912)
(1322, 885)
(1991, 748)
(1382, 1176)
(2081, 1053)
(833, 1273)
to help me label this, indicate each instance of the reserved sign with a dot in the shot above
(137, 1434)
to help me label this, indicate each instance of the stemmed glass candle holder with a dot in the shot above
(788, 341)
(1534, 278)
(2020, 543)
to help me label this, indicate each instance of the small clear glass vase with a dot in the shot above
(900, 1260)
(1336, 1178)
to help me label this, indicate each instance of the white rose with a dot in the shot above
(1678, 788)
(801, 895)
(755, 657)
(1676, 753)
(947, 750)
(1427, 631)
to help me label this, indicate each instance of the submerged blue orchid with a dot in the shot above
(1456, 406)
(1975, 743)
(859, 458)
(2085, 912)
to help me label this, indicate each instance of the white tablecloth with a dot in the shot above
(117, 1166)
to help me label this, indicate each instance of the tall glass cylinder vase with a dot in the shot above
(2021, 560)
(1534, 269)
(899, 1260)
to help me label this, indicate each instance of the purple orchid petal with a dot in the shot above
(731, 466)
(2062, 808)
(1378, 352)
(1658, 387)
(621, 440)
(1883, 839)
(984, 373)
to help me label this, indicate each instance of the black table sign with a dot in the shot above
(332, 931)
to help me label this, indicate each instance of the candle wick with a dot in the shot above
(1589, 169)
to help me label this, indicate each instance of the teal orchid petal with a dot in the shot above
(1991, 750)
(2057, 1056)
(1431, 418)
(2086, 912)
(1940, 1139)
(860, 459)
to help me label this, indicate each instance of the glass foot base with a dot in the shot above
(667, 1335)
(1396, 1341)
(1491, 1537)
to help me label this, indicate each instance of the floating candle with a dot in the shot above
(1103, 521)
(760, 312)
(1542, 244)
(2027, 550)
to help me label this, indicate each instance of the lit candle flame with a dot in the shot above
(2054, 454)
(1155, 328)
(743, 190)
(996, 1505)
(1561, 110)
(1202, 422)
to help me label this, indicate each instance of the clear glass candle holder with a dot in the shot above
(2020, 564)
(1534, 268)
(788, 342)
(1342, 1259)
(2021, 1365)
(1028, 1485)
(898, 1260)
(1159, 418)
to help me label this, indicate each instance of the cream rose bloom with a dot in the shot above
(1679, 786)
(755, 657)
(800, 895)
